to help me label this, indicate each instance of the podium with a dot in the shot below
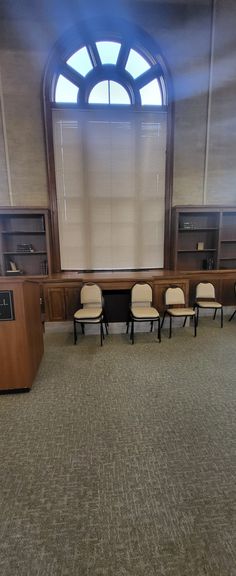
(21, 333)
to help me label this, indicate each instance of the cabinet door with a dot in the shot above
(55, 303)
(72, 301)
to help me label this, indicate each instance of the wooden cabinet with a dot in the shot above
(24, 242)
(203, 238)
(61, 301)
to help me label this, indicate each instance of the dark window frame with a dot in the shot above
(70, 43)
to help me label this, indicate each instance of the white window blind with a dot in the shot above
(110, 180)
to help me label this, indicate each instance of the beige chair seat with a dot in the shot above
(143, 312)
(90, 314)
(208, 304)
(181, 312)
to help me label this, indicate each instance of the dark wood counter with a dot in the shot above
(60, 292)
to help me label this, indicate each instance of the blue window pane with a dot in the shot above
(108, 52)
(118, 94)
(99, 94)
(151, 94)
(66, 91)
(136, 64)
(80, 61)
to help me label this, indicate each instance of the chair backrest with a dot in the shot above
(205, 290)
(91, 295)
(174, 296)
(141, 294)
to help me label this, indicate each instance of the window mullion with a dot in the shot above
(71, 75)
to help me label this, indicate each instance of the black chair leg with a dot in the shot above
(159, 329)
(195, 325)
(214, 314)
(163, 319)
(132, 332)
(127, 327)
(184, 321)
(151, 328)
(101, 333)
(232, 316)
(222, 317)
(82, 328)
(75, 333)
(170, 327)
(197, 317)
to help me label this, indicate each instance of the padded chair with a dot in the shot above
(141, 309)
(232, 315)
(175, 308)
(205, 299)
(92, 310)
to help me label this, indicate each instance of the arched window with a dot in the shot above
(129, 77)
(106, 98)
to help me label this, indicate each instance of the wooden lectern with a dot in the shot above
(21, 333)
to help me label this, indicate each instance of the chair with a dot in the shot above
(232, 315)
(175, 308)
(92, 309)
(205, 298)
(141, 309)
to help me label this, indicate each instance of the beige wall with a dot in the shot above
(204, 155)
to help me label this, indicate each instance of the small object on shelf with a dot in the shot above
(25, 248)
(208, 264)
(13, 270)
(187, 225)
(200, 245)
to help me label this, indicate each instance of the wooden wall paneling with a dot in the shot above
(227, 291)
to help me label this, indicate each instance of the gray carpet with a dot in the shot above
(121, 460)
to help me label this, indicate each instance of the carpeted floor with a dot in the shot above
(121, 460)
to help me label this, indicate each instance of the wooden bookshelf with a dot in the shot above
(24, 242)
(203, 238)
